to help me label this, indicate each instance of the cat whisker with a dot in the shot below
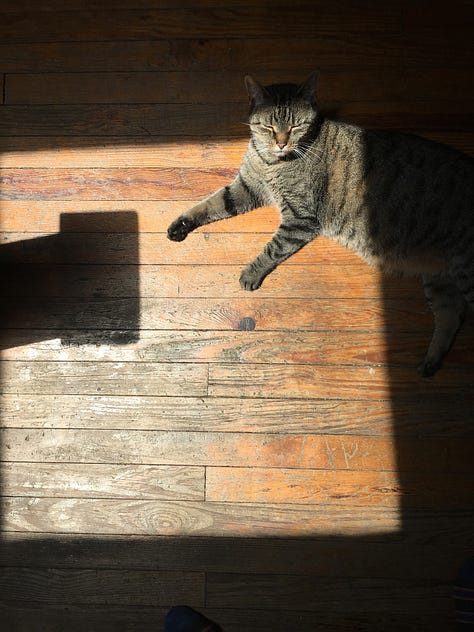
(310, 152)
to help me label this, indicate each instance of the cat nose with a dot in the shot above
(281, 145)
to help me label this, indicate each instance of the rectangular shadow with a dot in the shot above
(64, 283)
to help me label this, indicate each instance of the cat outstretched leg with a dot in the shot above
(232, 200)
(289, 238)
(448, 306)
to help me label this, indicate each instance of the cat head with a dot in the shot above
(281, 116)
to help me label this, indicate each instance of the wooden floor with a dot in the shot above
(272, 458)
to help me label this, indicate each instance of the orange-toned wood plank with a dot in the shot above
(73, 480)
(104, 377)
(248, 485)
(106, 216)
(215, 314)
(168, 281)
(334, 382)
(267, 347)
(154, 248)
(116, 152)
(204, 22)
(396, 417)
(112, 184)
(44, 152)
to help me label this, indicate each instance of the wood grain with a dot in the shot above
(249, 485)
(41, 152)
(304, 556)
(207, 22)
(143, 619)
(148, 517)
(71, 480)
(106, 378)
(225, 119)
(113, 216)
(242, 347)
(156, 450)
(153, 248)
(121, 314)
(122, 184)
(225, 449)
(428, 457)
(175, 87)
(433, 416)
(350, 84)
(206, 281)
(268, 591)
(333, 382)
(115, 152)
(88, 586)
(339, 50)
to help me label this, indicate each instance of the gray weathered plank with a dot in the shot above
(73, 480)
(107, 378)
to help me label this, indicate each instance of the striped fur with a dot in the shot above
(402, 203)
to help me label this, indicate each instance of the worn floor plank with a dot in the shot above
(425, 416)
(102, 481)
(175, 281)
(353, 50)
(304, 556)
(111, 314)
(225, 119)
(144, 619)
(334, 382)
(294, 347)
(107, 378)
(58, 586)
(147, 517)
(228, 21)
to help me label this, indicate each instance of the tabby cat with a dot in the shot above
(402, 203)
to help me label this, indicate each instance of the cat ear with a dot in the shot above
(308, 88)
(257, 93)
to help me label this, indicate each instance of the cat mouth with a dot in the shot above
(283, 153)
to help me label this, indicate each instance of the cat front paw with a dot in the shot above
(251, 280)
(180, 229)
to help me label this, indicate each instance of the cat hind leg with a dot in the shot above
(448, 306)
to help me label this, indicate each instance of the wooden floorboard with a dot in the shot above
(272, 459)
